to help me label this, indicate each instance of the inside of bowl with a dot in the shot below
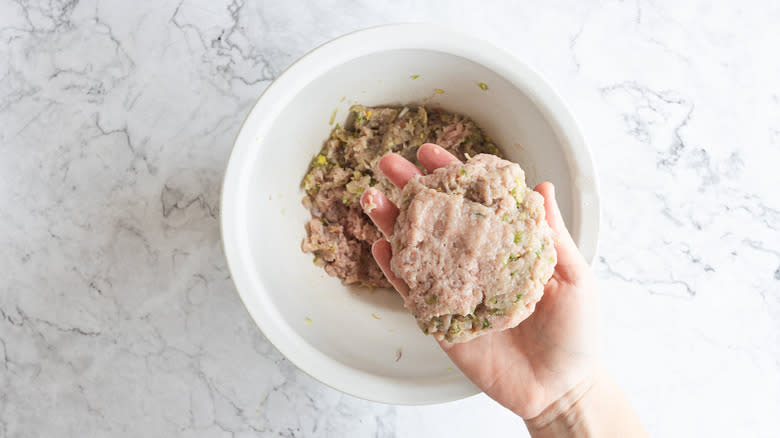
(370, 330)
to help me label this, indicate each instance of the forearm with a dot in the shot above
(596, 407)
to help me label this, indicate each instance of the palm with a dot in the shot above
(528, 367)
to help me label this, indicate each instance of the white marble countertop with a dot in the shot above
(117, 314)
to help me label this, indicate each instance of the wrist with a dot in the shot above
(568, 412)
(594, 408)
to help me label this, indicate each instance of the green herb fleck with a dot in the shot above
(373, 182)
(431, 300)
(360, 190)
(513, 257)
(415, 77)
(425, 330)
(478, 214)
(518, 297)
(333, 116)
(463, 171)
(321, 161)
(485, 324)
(518, 237)
(483, 86)
(539, 251)
(498, 312)
(505, 218)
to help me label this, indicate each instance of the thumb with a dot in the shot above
(570, 262)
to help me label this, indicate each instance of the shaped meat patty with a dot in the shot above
(472, 244)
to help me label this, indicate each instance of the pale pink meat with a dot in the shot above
(472, 244)
(452, 135)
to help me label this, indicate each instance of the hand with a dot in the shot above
(533, 365)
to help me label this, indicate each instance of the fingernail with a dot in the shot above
(381, 164)
(368, 200)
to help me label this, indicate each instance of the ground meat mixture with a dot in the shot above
(339, 234)
(472, 243)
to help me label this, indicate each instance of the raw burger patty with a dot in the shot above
(472, 243)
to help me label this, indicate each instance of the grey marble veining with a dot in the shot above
(117, 313)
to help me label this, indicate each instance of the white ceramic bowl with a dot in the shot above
(346, 337)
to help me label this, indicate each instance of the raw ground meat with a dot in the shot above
(472, 244)
(339, 234)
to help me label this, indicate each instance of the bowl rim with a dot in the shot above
(321, 59)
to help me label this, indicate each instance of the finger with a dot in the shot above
(433, 157)
(570, 261)
(382, 253)
(398, 169)
(380, 209)
(551, 211)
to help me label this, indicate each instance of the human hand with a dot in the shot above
(531, 366)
